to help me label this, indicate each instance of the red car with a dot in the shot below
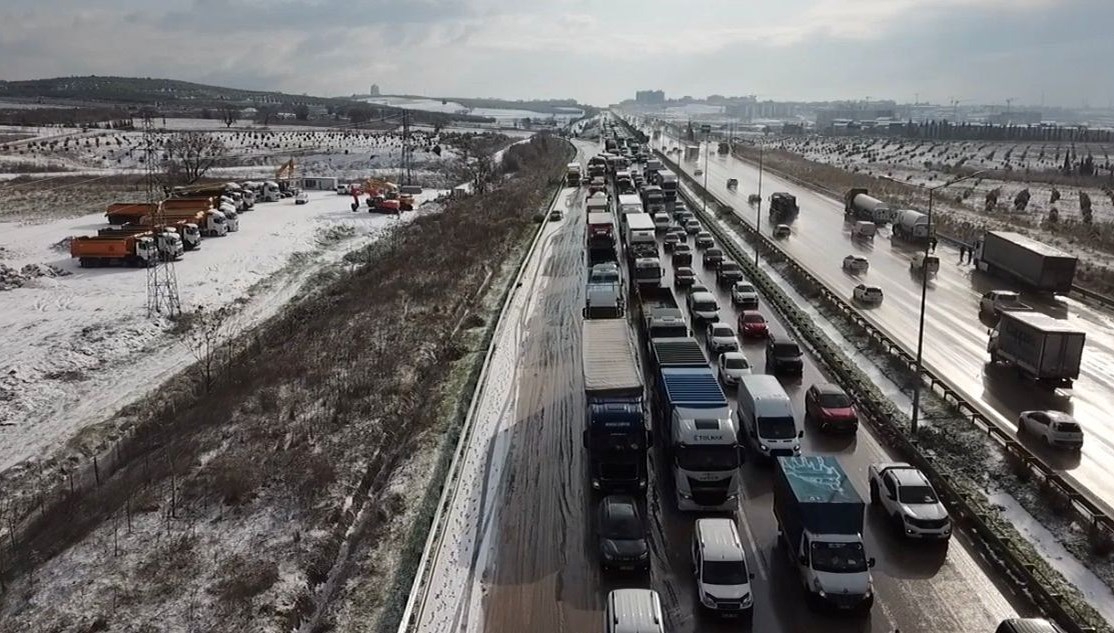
(752, 324)
(831, 408)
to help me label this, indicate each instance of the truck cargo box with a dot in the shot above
(1046, 349)
(610, 360)
(813, 492)
(678, 352)
(1026, 260)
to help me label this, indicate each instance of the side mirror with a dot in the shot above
(649, 438)
(752, 575)
(584, 312)
(802, 560)
(800, 433)
(584, 438)
(870, 562)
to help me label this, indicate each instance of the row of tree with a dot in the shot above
(982, 132)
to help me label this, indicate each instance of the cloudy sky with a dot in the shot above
(597, 51)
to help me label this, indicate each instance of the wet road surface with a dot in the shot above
(955, 336)
(542, 572)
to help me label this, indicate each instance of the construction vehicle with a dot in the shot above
(167, 237)
(204, 203)
(210, 222)
(109, 250)
(284, 176)
(127, 212)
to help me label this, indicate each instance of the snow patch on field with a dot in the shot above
(78, 347)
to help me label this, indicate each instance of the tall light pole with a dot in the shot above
(704, 197)
(758, 207)
(914, 427)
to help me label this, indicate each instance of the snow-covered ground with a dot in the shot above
(77, 347)
(1097, 593)
(922, 163)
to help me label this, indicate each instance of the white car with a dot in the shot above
(720, 338)
(782, 230)
(732, 367)
(744, 296)
(855, 264)
(908, 498)
(301, 198)
(1056, 428)
(871, 295)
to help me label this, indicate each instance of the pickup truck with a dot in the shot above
(908, 499)
(996, 302)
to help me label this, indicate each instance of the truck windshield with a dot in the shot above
(703, 458)
(604, 276)
(777, 428)
(917, 494)
(725, 573)
(838, 558)
(613, 442)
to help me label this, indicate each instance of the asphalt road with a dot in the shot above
(543, 574)
(955, 336)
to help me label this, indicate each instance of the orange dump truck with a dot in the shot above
(112, 250)
(128, 212)
(210, 222)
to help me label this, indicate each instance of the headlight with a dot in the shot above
(644, 555)
(763, 447)
(816, 586)
(707, 600)
(747, 600)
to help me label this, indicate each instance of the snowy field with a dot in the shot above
(79, 346)
(923, 162)
(451, 107)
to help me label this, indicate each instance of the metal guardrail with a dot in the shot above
(415, 602)
(962, 504)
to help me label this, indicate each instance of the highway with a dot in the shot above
(955, 336)
(539, 569)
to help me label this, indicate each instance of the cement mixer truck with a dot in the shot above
(858, 205)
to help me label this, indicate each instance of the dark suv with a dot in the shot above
(783, 356)
(622, 535)
(728, 273)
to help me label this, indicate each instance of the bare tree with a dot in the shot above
(1085, 207)
(229, 114)
(189, 155)
(478, 170)
(208, 332)
(1021, 200)
(265, 113)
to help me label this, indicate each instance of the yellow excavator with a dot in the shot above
(284, 175)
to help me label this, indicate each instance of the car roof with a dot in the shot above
(829, 388)
(730, 355)
(702, 295)
(1058, 416)
(721, 326)
(719, 540)
(624, 505)
(906, 475)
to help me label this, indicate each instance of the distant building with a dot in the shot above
(649, 97)
(1030, 117)
(374, 90)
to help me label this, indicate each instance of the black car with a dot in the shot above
(713, 257)
(682, 255)
(783, 356)
(622, 535)
(728, 273)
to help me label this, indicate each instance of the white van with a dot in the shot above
(634, 611)
(765, 417)
(720, 566)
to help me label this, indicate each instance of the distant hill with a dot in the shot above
(173, 95)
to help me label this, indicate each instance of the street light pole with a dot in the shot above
(914, 419)
(758, 207)
(705, 196)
